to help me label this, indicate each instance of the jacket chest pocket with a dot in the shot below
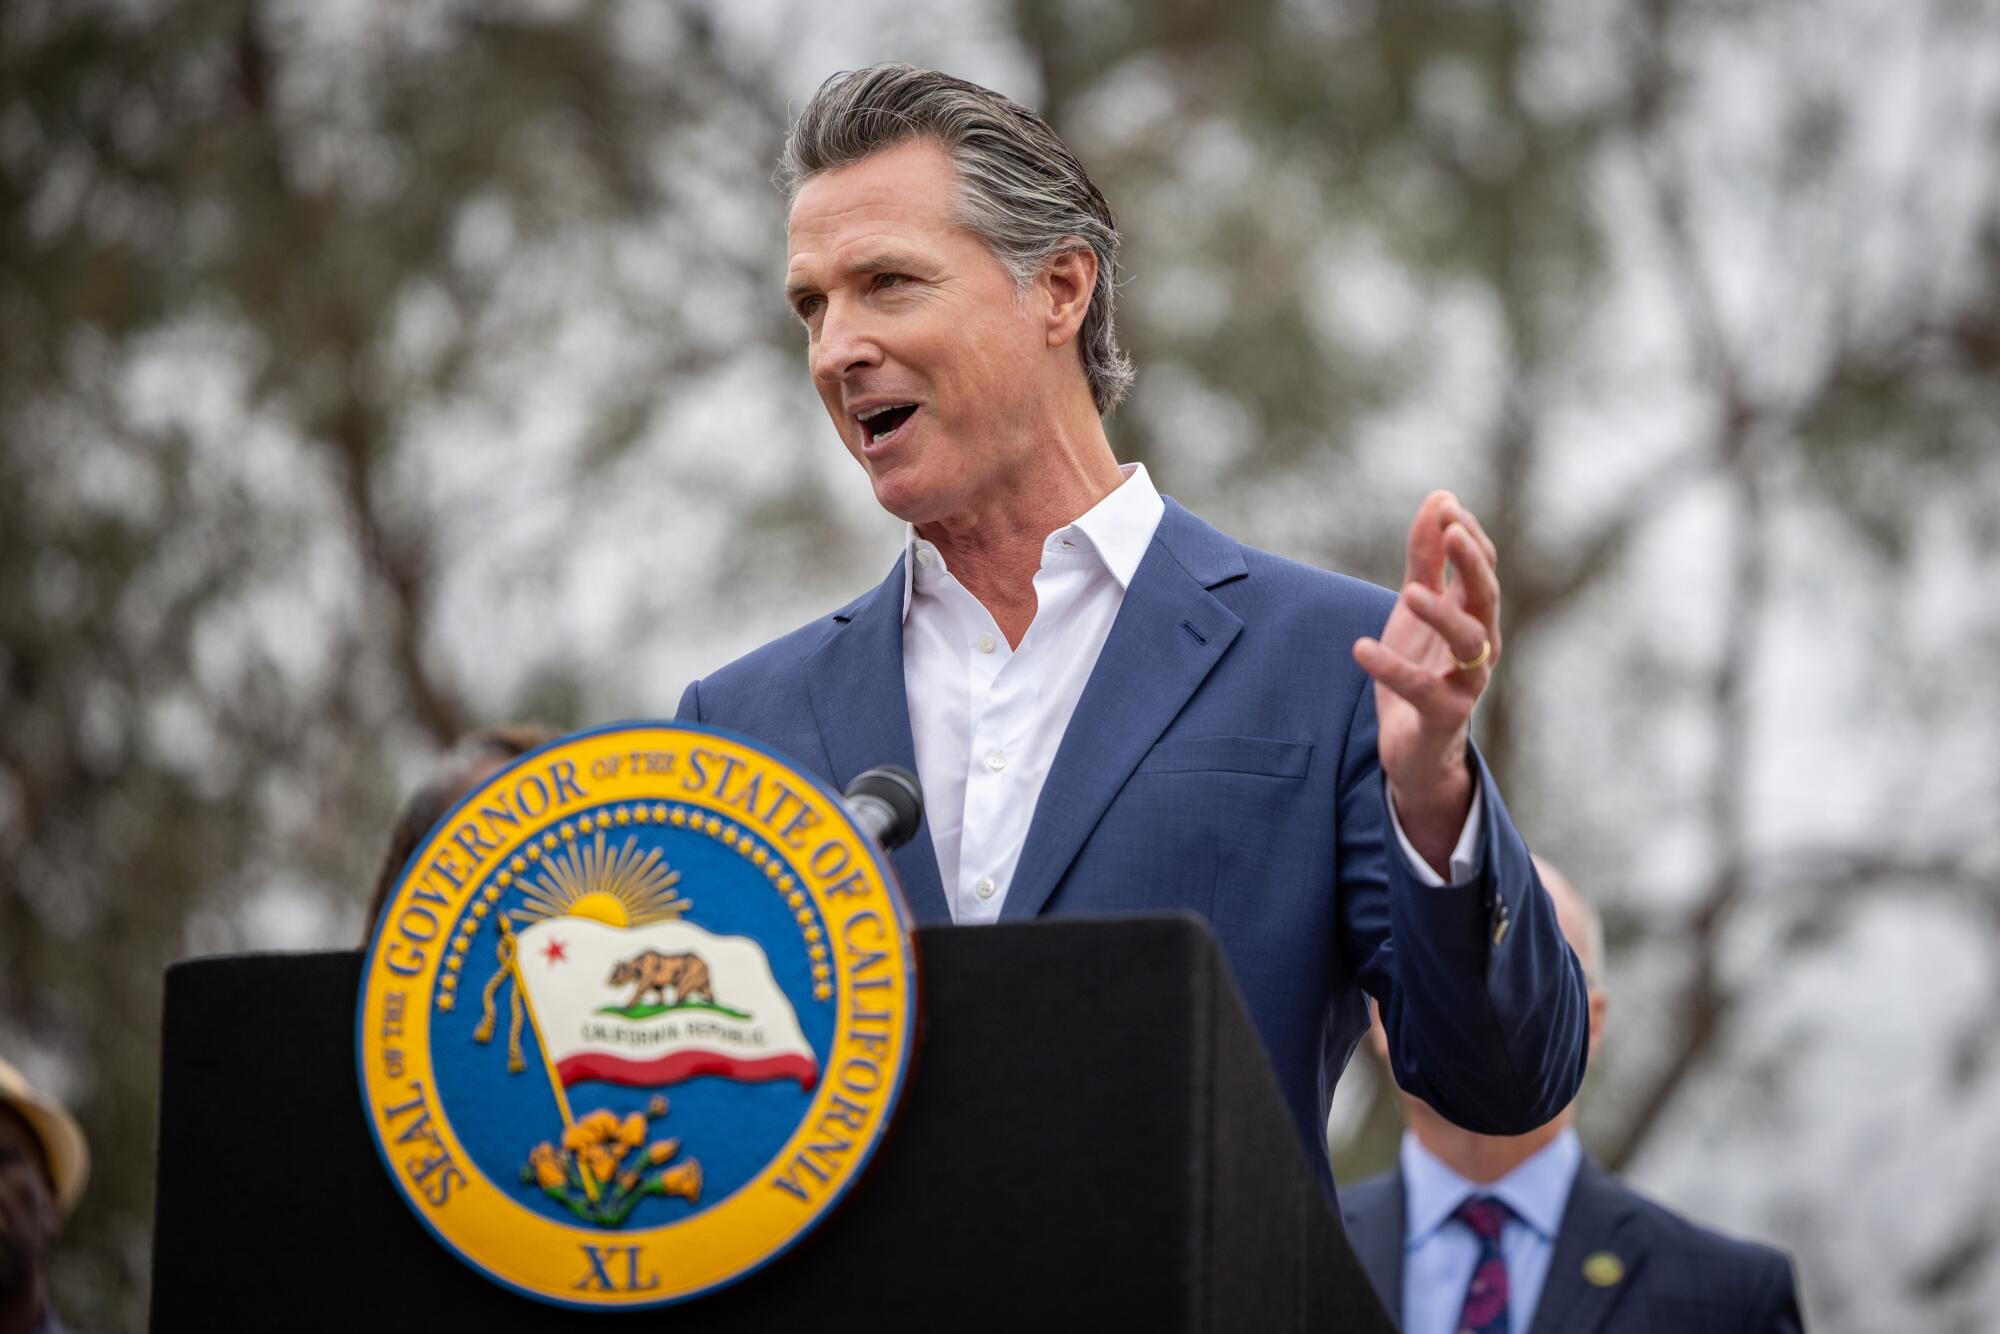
(1259, 756)
(1192, 809)
(1239, 806)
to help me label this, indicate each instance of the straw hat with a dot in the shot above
(62, 1138)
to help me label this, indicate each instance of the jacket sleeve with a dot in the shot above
(1778, 1312)
(1481, 997)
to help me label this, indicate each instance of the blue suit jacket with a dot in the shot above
(1678, 1278)
(1222, 761)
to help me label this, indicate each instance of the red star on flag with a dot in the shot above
(555, 951)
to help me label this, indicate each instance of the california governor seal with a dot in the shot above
(636, 1015)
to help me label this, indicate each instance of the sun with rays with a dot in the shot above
(620, 887)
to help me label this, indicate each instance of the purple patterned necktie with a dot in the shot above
(1486, 1296)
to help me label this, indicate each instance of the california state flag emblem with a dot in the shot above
(656, 1004)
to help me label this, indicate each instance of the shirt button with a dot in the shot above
(923, 556)
(984, 889)
(996, 760)
(986, 643)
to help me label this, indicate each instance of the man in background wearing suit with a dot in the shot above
(1111, 706)
(1523, 1234)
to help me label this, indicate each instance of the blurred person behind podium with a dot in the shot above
(1523, 1234)
(1112, 706)
(477, 757)
(44, 1163)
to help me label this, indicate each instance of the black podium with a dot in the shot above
(1090, 1139)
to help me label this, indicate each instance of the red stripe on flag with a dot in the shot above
(686, 1065)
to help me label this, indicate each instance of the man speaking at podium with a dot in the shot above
(1112, 706)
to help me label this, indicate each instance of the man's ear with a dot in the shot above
(1599, 1005)
(1378, 1038)
(1068, 278)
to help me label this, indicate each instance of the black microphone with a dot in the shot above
(887, 802)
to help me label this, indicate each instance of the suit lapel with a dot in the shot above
(1169, 633)
(855, 681)
(1379, 1243)
(1599, 1217)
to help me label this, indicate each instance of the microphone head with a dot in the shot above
(889, 799)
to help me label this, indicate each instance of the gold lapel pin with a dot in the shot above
(1603, 1269)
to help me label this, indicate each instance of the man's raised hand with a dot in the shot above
(1430, 666)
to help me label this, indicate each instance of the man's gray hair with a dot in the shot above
(1022, 190)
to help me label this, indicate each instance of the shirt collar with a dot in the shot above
(1537, 1191)
(1118, 528)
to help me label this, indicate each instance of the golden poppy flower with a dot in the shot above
(547, 1166)
(683, 1179)
(632, 1131)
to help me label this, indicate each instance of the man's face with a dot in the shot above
(28, 1213)
(907, 311)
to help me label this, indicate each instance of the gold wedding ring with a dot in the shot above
(1474, 664)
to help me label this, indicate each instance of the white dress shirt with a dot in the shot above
(1440, 1255)
(987, 719)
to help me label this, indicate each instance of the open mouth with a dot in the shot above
(880, 426)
